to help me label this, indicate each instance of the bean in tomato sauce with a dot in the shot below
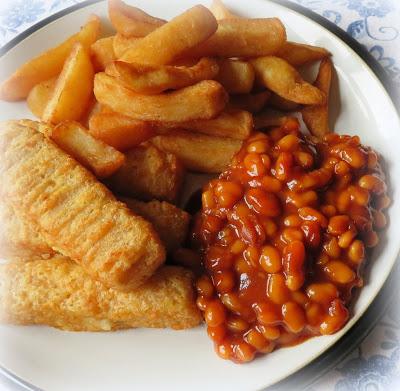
(284, 233)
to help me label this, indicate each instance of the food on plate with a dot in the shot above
(283, 79)
(121, 44)
(119, 131)
(237, 124)
(287, 218)
(219, 10)
(298, 54)
(199, 152)
(40, 95)
(102, 52)
(97, 156)
(161, 46)
(284, 232)
(75, 80)
(52, 190)
(242, 38)
(203, 100)
(57, 292)
(131, 21)
(19, 239)
(48, 64)
(316, 117)
(250, 102)
(149, 173)
(154, 79)
(170, 222)
(236, 76)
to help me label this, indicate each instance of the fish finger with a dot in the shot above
(75, 214)
(58, 293)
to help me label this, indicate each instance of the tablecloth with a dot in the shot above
(375, 364)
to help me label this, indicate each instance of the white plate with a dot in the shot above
(182, 360)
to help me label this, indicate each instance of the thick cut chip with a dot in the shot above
(242, 38)
(199, 152)
(280, 77)
(282, 104)
(100, 158)
(220, 11)
(57, 292)
(203, 100)
(119, 131)
(154, 79)
(316, 117)
(40, 95)
(131, 21)
(149, 173)
(250, 102)
(237, 124)
(73, 90)
(121, 44)
(267, 120)
(298, 54)
(102, 52)
(48, 64)
(75, 214)
(172, 39)
(236, 76)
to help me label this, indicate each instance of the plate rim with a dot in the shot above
(380, 302)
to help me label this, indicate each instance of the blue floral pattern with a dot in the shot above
(374, 23)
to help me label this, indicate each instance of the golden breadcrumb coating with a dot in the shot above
(57, 292)
(170, 222)
(76, 215)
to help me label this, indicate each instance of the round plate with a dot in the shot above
(176, 360)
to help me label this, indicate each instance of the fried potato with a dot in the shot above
(279, 103)
(170, 222)
(154, 79)
(52, 190)
(250, 102)
(121, 44)
(93, 108)
(119, 131)
(242, 38)
(298, 54)
(131, 21)
(48, 64)
(203, 100)
(57, 292)
(18, 238)
(236, 76)
(149, 173)
(199, 152)
(40, 95)
(73, 90)
(169, 41)
(316, 117)
(237, 124)
(102, 52)
(268, 120)
(220, 11)
(100, 158)
(280, 77)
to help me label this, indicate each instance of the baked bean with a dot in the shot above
(322, 292)
(339, 272)
(293, 316)
(285, 207)
(277, 290)
(270, 259)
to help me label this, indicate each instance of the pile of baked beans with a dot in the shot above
(284, 233)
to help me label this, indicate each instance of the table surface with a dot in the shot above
(375, 363)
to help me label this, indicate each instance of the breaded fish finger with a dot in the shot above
(75, 214)
(19, 239)
(57, 292)
(170, 222)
